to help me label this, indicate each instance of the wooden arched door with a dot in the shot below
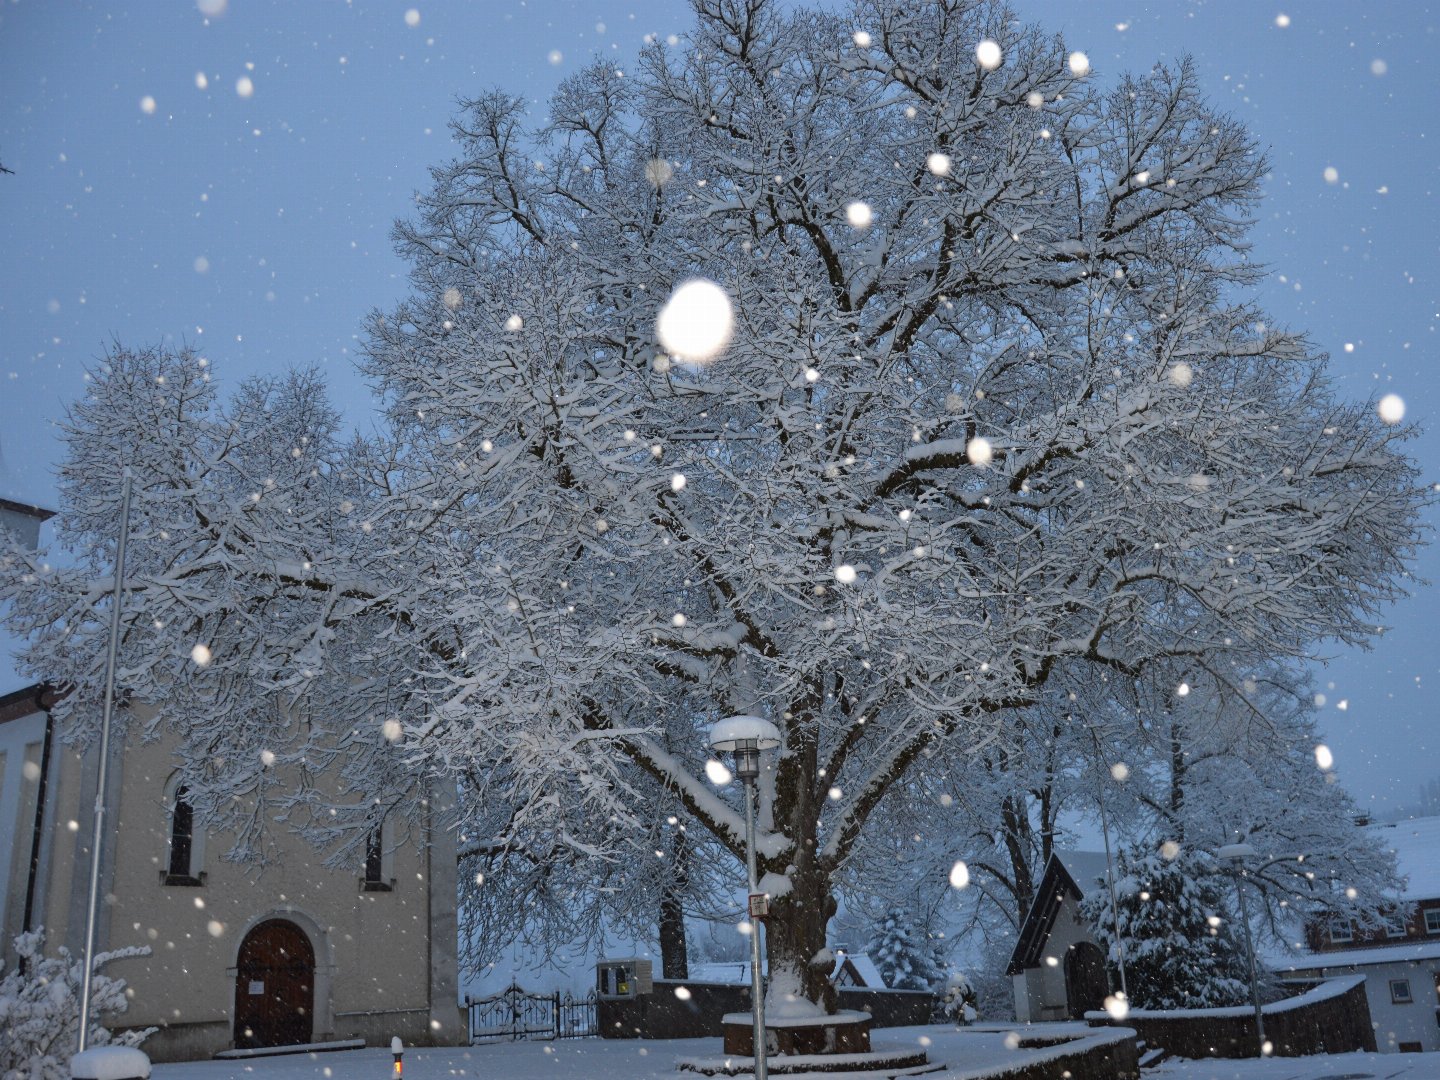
(1086, 983)
(274, 986)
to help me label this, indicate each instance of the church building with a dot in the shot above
(241, 956)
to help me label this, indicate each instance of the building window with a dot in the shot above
(377, 862)
(1400, 992)
(1394, 926)
(182, 833)
(1340, 931)
(185, 854)
(1432, 920)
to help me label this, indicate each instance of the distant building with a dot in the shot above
(856, 969)
(297, 954)
(1401, 962)
(1057, 970)
(24, 521)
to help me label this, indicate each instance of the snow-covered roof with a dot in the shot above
(1065, 873)
(731, 973)
(1416, 844)
(737, 972)
(864, 967)
(1088, 869)
(1340, 959)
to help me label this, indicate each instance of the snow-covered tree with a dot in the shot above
(558, 894)
(40, 1009)
(1233, 760)
(905, 958)
(997, 416)
(1183, 950)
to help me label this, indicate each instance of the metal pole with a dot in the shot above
(1110, 868)
(99, 834)
(1250, 952)
(1114, 901)
(757, 985)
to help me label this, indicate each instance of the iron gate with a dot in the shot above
(514, 1013)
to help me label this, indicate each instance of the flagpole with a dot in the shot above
(99, 834)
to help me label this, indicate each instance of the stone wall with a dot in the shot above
(1113, 1057)
(663, 1015)
(889, 1008)
(1334, 1018)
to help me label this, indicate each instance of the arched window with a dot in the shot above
(185, 845)
(379, 873)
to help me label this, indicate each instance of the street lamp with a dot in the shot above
(1235, 855)
(745, 737)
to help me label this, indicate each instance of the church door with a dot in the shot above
(274, 986)
(1085, 981)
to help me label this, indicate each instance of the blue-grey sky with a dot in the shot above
(154, 200)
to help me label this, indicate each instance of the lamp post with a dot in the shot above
(745, 737)
(97, 840)
(1235, 855)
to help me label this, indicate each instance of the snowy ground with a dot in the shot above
(599, 1059)
(1328, 1067)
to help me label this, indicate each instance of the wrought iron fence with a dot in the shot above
(515, 1013)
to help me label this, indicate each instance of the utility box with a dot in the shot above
(626, 977)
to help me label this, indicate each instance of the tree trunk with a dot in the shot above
(674, 956)
(796, 932)
(796, 938)
(1016, 835)
(1178, 766)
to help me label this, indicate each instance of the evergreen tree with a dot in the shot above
(1181, 951)
(905, 959)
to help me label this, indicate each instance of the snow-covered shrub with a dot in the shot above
(1182, 948)
(40, 1009)
(958, 1004)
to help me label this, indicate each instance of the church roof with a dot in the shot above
(1066, 873)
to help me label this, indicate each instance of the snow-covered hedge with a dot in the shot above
(40, 1009)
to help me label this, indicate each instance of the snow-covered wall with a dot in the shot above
(1332, 1018)
(1404, 999)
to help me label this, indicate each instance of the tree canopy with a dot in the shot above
(998, 418)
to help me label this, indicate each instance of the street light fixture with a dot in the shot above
(745, 737)
(1235, 855)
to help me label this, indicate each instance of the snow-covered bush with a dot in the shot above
(1182, 949)
(40, 1009)
(958, 1004)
